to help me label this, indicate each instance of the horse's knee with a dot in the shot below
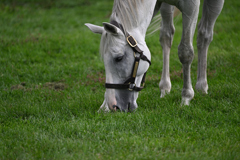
(166, 35)
(185, 53)
(205, 35)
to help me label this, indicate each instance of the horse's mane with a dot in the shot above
(126, 11)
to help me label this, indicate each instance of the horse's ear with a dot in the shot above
(95, 28)
(111, 28)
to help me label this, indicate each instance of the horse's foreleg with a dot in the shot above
(190, 11)
(166, 38)
(211, 10)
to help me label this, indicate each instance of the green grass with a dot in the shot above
(51, 86)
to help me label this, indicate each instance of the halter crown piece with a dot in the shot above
(130, 83)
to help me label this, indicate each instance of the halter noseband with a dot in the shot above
(130, 83)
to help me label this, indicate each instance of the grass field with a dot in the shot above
(52, 84)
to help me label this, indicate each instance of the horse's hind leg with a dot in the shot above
(211, 10)
(166, 38)
(190, 9)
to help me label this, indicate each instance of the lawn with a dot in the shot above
(52, 84)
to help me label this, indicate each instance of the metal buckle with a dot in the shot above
(132, 45)
(131, 86)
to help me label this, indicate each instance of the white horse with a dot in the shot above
(127, 57)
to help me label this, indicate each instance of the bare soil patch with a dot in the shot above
(48, 85)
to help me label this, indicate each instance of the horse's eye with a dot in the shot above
(118, 59)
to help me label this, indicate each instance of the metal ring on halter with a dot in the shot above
(131, 86)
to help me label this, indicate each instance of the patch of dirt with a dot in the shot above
(211, 73)
(151, 78)
(20, 86)
(48, 85)
(176, 74)
(55, 85)
(29, 39)
(94, 78)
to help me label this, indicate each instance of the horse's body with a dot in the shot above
(135, 16)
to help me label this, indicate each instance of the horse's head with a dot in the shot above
(120, 63)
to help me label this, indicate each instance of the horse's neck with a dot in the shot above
(135, 16)
(146, 15)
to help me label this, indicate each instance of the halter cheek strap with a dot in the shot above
(130, 83)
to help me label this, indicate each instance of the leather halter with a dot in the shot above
(130, 83)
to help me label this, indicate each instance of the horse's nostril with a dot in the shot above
(129, 107)
(115, 107)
